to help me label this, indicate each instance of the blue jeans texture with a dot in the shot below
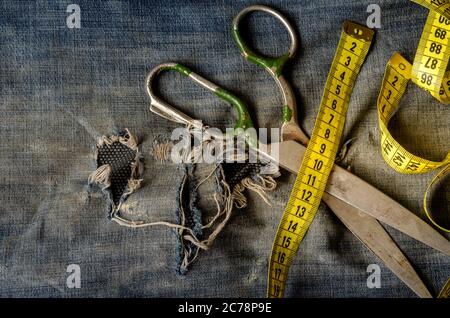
(61, 89)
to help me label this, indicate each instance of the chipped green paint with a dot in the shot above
(276, 64)
(244, 121)
(183, 70)
(287, 114)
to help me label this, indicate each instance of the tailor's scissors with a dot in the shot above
(356, 203)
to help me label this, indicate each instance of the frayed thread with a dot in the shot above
(189, 229)
(161, 150)
(258, 184)
(229, 198)
(225, 200)
(126, 138)
(102, 175)
(135, 181)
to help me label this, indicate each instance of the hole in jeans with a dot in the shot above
(119, 168)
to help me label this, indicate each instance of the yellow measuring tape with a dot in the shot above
(397, 75)
(432, 56)
(429, 73)
(320, 154)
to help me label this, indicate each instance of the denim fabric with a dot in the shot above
(61, 89)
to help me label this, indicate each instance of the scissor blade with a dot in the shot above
(374, 236)
(359, 194)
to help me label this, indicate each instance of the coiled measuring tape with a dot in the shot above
(429, 73)
(397, 75)
(320, 154)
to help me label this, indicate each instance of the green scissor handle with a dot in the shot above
(162, 108)
(275, 65)
(290, 129)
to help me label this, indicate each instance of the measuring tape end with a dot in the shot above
(358, 31)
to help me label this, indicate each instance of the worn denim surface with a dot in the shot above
(61, 89)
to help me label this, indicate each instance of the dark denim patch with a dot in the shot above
(119, 169)
(120, 158)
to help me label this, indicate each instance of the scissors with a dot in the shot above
(356, 203)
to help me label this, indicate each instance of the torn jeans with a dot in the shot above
(63, 89)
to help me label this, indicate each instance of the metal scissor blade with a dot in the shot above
(359, 194)
(373, 235)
